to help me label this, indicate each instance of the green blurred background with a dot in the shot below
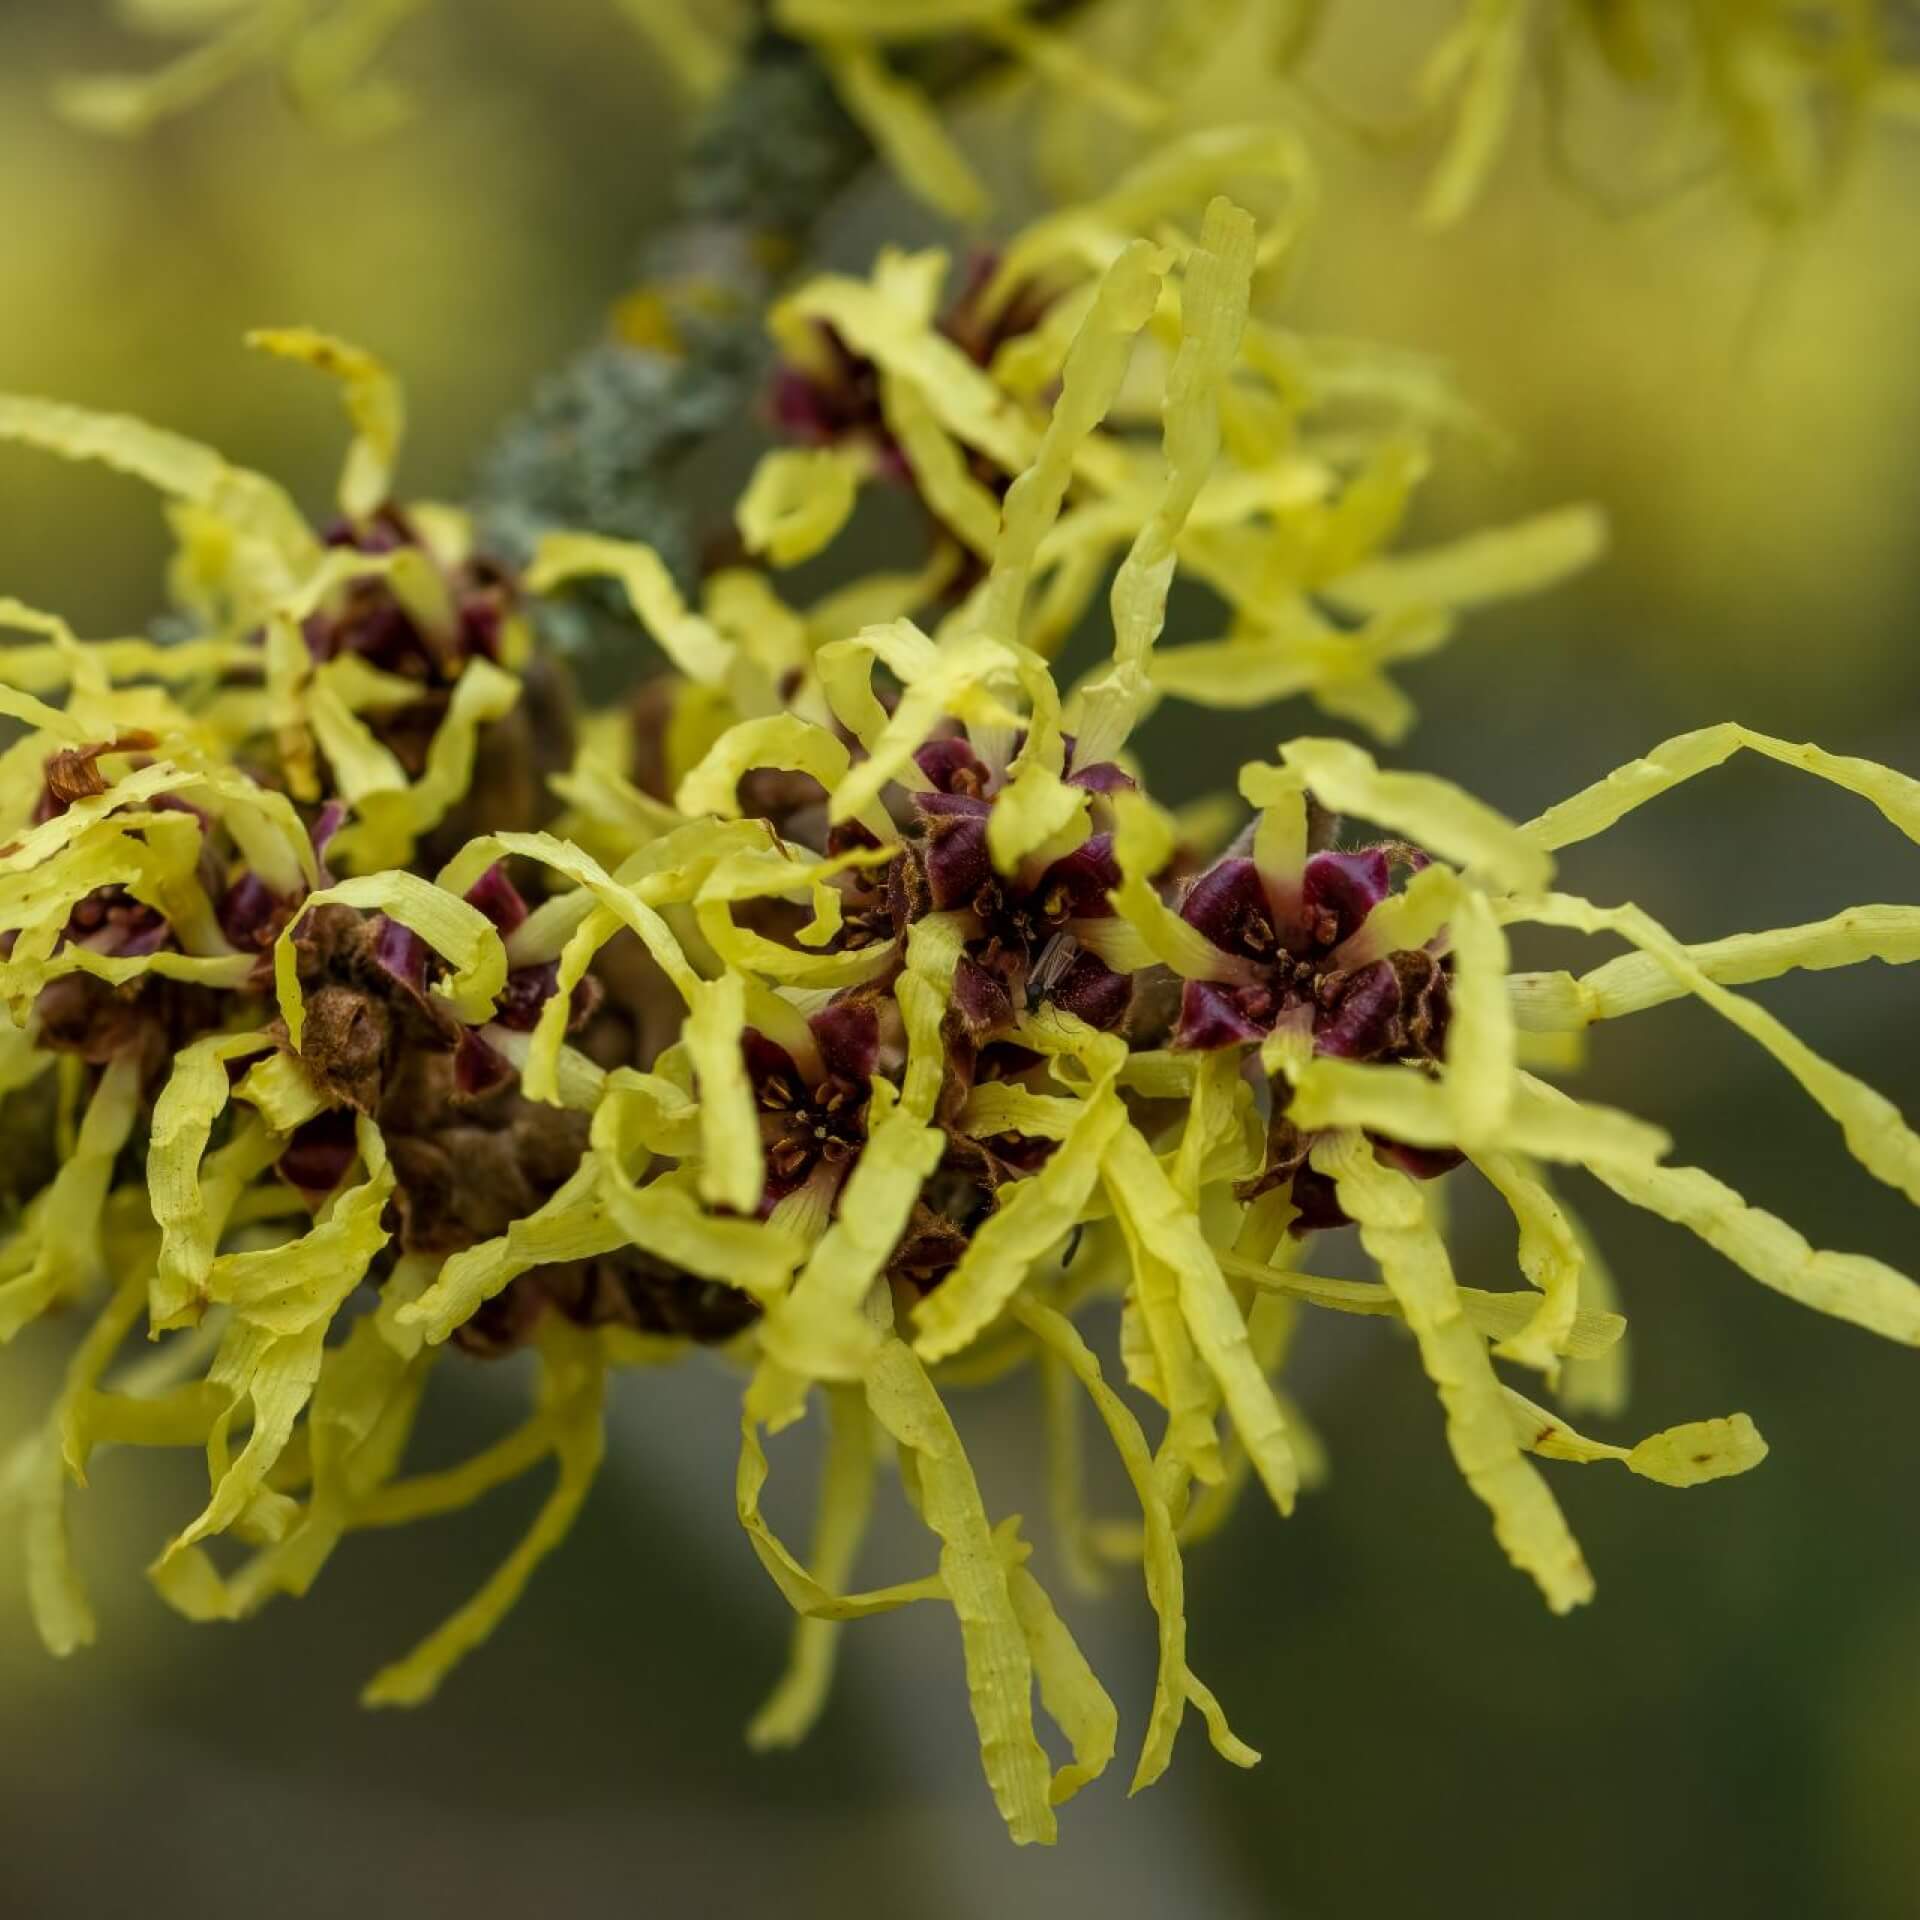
(1734, 1728)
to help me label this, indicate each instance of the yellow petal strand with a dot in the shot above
(733, 1165)
(1142, 847)
(1875, 1133)
(1280, 833)
(195, 1095)
(126, 104)
(797, 502)
(459, 933)
(821, 1330)
(747, 952)
(1067, 1514)
(1597, 1381)
(1165, 1578)
(209, 970)
(598, 789)
(1849, 1286)
(1440, 816)
(956, 497)
(1037, 816)
(999, 1668)
(1550, 1256)
(1409, 918)
(272, 1378)
(753, 1255)
(541, 1068)
(424, 1496)
(358, 1424)
(1636, 981)
(1482, 57)
(41, 842)
(698, 54)
(263, 823)
(801, 1591)
(1479, 1080)
(253, 506)
(37, 714)
(651, 871)
(1006, 1106)
(1597, 807)
(388, 823)
(1405, 1105)
(1068, 66)
(294, 1288)
(1394, 1230)
(578, 1375)
(904, 126)
(1155, 194)
(61, 1613)
(1096, 364)
(57, 1252)
(571, 1225)
(22, 1059)
(1036, 806)
(1161, 1359)
(958, 675)
(360, 762)
(1295, 651)
(1169, 1230)
(1036, 1214)
(1069, 1689)
(846, 1501)
(281, 1090)
(373, 401)
(47, 669)
(1499, 1316)
(1684, 1456)
(890, 323)
(845, 667)
(775, 740)
(687, 639)
(1498, 564)
(1214, 299)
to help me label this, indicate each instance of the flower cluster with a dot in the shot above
(860, 1014)
(1289, 524)
(1774, 97)
(885, 60)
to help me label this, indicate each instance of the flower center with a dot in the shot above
(803, 1127)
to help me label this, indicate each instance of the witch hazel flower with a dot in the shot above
(812, 1089)
(1022, 931)
(1296, 953)
(1295, 528)
(1304, 965)
(875, 1096)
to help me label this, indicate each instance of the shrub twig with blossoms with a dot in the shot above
(900, 1029)
(888, 383)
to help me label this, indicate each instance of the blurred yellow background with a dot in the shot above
(1733, 1729)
